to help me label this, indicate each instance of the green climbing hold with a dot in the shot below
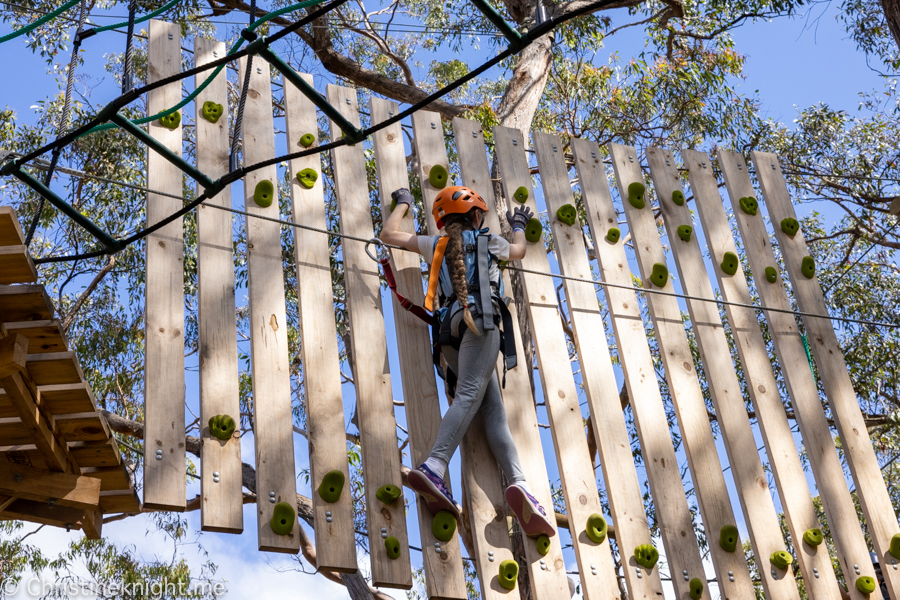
(895, 546)
(749, 205)
(282, 521)
(728, 538)
(808, 267)
(264, 193)
(684, 232)
(392, 546)
(221, 427)
(443, 525)
(509, 572)
(307, 140)
(521, 194)
(781, 559)
(646, 555)
(696, 587)
(678, 197)
(813, 536)
(212, 111)
(533, 230)
(771, 274)
(729, 263)
(567, 214)
(613, 235)
(438, 176)
(790, 226)
(307, 178)
(388, 493)
(332, 485)
(865, 584)
(596, 528)
(636, 194)
(543, 545)
(659, 275)
(171, 121)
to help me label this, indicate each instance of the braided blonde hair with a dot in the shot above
(454, 225)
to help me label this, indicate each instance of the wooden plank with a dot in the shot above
(371, 371)
(13, 432)
(65, 489)
(880, 516)
(551, 580)
(82, 427)
(54, 368)
(43, 336)
(273, 418)
(782, 452)
(25, 303)
(598, 576)
(221, 504)
(443, 570)
(622, 486)
(22, 454)
(16, 265)
(66, 398)
(51, 447)
(760, 515)
(40, 512)
(164, 480)
(104, 453)
(119, 502)
(335, 538)
(676, 527)
(11, 233)
(92, 523)
(111, 478)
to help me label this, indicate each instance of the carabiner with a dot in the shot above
(381, 250)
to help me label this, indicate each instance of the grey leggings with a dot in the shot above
(477, 396)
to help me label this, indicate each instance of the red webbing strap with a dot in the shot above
(404, 302)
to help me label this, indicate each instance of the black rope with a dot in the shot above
(129, 48)
(239, 118)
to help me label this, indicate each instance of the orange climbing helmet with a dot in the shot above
(455, 200)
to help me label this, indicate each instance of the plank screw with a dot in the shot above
(816, 575)
(215, 473)
(731, 578)
(490, 559)
(740, 166)
(515, 142)
(593, 154)
(703, 164)
(170, 36)
(554, 148)
(159, 455)
(667, 163)
(773, 166)
(815, 569)
(543, 567)
(433, 126)
(593, 569)
(215, 480)
(383, 533)
(328, 514)
(328, 519)
(215, 53)
(640, 576)
(68, 527)
(631, 159)
(347, 100)
(437, 549)
(774, 574)
(894, 564)
(272, 497)
(17, 477)
(474, 134)
(51, 502)
(390, 113)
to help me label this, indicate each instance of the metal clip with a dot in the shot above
(381, 251)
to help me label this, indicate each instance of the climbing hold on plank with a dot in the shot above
(307, 140)
(808, 267)
(332, 485)
(509, 572)
(865, 584)
(813, 536)
(678, 197)
(728, 538)
(567, 214)
(221, 427)
(790, 226)
(696, 587)
(646, 555)
(264, 193)
(781, 559)
(636, 194)
(443, 525)
(895, 546)
(729, 263)
(659, 275)
(521, 194)
(392, 546)
(613, 235)
(771, 274)
(438, 176)
(307, 178)
(596, 528)
(171, 121)
(282, 521)
(684, 232)
(388, 493)
(533, 230)
(543, 545)
(394, 205)
(212, 111)
(749, 205)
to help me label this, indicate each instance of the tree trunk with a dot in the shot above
(892, 16)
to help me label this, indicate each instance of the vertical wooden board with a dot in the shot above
(682, 551)
(783, 456)
(551, 581)
(560, 394)
(335, 538)
(443, 570)
(622, 485)
(760, 515)
(164, 473)
(480, 472)
(273, 418)
(221, 497)
(374, 397)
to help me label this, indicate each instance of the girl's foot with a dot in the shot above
(433, 491)
(532, 517)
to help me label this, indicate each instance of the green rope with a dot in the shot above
(808, 355)
(146, 17)
(32, 26)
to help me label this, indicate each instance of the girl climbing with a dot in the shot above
(465, 276)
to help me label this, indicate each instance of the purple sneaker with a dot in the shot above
(433, 491)
(532, 517)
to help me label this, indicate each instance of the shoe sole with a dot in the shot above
(434, 497)
(532, 522)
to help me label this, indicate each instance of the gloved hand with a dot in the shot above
(520, 217)
(401, 196)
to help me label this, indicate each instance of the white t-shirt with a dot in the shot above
(498, 246)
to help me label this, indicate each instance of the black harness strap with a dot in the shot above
(483, 273)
